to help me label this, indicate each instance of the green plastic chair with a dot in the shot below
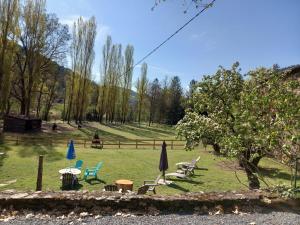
(92, 172)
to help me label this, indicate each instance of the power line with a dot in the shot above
(176, 32)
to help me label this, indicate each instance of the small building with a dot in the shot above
(21, 124)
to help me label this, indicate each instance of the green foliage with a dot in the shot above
(283, 191)
(175, 111)
(142, 85)
(248, 119)
(212, 114)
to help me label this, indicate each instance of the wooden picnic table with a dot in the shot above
(124, 185)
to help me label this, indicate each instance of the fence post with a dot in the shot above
(119, 144)
(172, 145)
(154, 144)
(17, 142)
(40, 174)
(136, 144)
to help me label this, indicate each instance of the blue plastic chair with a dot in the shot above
(92, 172)
(78, 164)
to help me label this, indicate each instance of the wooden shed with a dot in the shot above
(21, 124)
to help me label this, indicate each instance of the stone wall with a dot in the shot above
(109, 203)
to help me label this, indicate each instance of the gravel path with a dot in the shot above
(272, 218)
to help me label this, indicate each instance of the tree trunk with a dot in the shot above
(251, 170)
(23, 107)
(38, 107)
(8, 107)
(217, 148)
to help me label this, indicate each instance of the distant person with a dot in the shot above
(54, 126)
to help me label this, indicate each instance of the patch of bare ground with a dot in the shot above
(229, 165)
(61, 128)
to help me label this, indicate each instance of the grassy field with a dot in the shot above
(108, 132)
(216, 173)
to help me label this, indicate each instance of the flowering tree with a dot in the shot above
(246, 119)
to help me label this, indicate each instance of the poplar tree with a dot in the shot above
(142, 90)
(103, 87)
(82, 54)
(127, 82)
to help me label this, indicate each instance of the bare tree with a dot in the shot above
(9, 15)
(54, 50)
(29, 58)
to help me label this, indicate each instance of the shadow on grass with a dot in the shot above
(136, 131)
(40, 149)
(90, 131)
(275, 173)
(201, 168)
(148, 132)
(95, 181)
(158, 130)
(4, 148)
(198, 175)
(177, 187)
(76, 188)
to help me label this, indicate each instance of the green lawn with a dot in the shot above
(216, 173)
(136, 165)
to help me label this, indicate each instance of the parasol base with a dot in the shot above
(164, 182)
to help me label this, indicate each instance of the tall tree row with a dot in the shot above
(115, 82)
(82, 56)
(165, 101)
(34, 45)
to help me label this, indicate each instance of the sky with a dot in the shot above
(254, 32)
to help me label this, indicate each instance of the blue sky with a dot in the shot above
(254, 32)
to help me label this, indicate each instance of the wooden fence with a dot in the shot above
(106, 143)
